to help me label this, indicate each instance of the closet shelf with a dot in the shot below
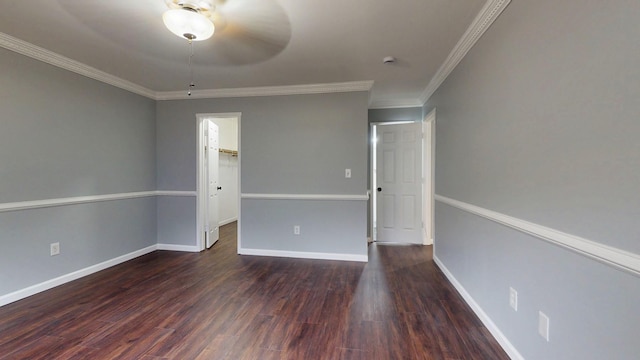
(230, 152)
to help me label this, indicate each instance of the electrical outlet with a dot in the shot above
(543, 325)
(347, 173)
(296, 230)
(513, 298)
(55, 248)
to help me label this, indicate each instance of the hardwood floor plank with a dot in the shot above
(77, 353)
(41, 349)
(219, 305)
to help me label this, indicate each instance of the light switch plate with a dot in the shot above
(347, 173)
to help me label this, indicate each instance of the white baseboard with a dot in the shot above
(304, 255)
(174, 247)
(486, 320)
(49, 284)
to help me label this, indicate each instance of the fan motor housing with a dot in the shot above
(195, 4)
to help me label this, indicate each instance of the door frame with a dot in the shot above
(201, 201)
(372, 174)
(428, 162)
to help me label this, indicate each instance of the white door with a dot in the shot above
(212, 154)
(399, 183)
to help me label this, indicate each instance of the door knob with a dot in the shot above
(219, 187)
(379, 189)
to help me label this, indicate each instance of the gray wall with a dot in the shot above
(289, 145)
(64, 135)
(540, 122)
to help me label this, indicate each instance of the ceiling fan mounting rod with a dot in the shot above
(194, 5)
(188, 8)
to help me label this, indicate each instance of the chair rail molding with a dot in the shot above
(36, 204)
(610, 255)
(344, 197)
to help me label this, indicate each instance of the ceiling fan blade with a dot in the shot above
(126, 24)
(248, 32)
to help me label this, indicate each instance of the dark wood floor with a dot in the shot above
(218, 305)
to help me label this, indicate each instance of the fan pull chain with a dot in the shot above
(191, 84)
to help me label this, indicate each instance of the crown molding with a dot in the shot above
(25, 48)
(268, 91)
(22, 47)
(489, 13)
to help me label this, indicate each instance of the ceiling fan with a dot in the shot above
(190, 19)
(240, 31)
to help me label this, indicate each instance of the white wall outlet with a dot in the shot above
(296, 230)
(55, 248)
(347, 173)
(543, 325)
(513, 298)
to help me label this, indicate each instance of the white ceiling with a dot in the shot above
(330, 41)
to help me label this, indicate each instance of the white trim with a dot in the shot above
(200, 175)
(25, 48)
(607, 254)
(374, 204)
(176, 193)
(36, 204)
(364, 197)
(489, 13)
(428, 162)
(486, 320)
(398, 122)
(22, 47)
(227, 221)
(304, 255)
(268, 91)
(174, 247)
(395, 104)
(49, 284)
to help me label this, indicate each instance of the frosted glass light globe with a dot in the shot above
(188, 24)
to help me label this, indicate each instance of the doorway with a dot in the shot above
(401, 182)
(218, 177)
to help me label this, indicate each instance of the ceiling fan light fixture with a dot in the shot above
(188, 24)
